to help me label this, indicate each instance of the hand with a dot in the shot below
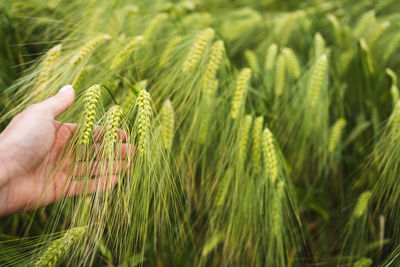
(29, 148)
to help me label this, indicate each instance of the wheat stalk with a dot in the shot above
(242, 85)
(113, 119)
(90, 47)
(316, 80)
(167, 126)
(362, 204)
(256, 148)
(270, 156)
(277, 208)
(122, 56)
(60, 246)
(280, 75)
(144, 115)
(291, 62)
(270, 58)
(217, 53)
(197, 49)
(336, 132)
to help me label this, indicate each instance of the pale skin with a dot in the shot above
(30, 148)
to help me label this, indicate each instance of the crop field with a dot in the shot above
(245, 132)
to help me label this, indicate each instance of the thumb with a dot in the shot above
(61, 101)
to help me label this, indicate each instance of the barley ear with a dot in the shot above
(144, 115)
(113, 120)
(168, 50)
(291, 62)
(336, 132)
(122, 56)
(280, 75)
(252, 61)
(362, 204)
(270, 156)
(243, 136)
(197, 49)
(59, 246)
(167, 126)
(154, 24)
(217, 53)
(90, 47)
(317, 78)
(47, 65)
(319, 45)
(270, 58)
(394, 90)
(256, 147)
(91, 99)
(242, 85)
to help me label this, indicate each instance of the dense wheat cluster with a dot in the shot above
(260, 132)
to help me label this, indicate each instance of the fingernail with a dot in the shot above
(66, 88)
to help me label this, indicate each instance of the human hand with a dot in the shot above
(29, 148)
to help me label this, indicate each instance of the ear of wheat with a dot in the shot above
(317, 79)
(167, 124)
(363, 262)
(391, 47)
(256, 148)
(336, 132)
(60, 246)
(122, 56)
(113, 119)
(280, 75)
(197, 49)
(131, 96)
(252, 61)
(79, 78)
(291, 62)
(168, 50)
(394, 90)
(217, 53)
(144, 115)
(395, 119)
(364, 24)
(244, 136)
(270, 58)
(154, 24)
(319, 45)
(47, 65)
(90, 47)
(92, 97)
(270, 156)
(374, 36)
(242, 85)
(362, 204)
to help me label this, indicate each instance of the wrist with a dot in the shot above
(3, 170)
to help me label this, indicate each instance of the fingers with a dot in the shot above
(91, 186)
(60, 102)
